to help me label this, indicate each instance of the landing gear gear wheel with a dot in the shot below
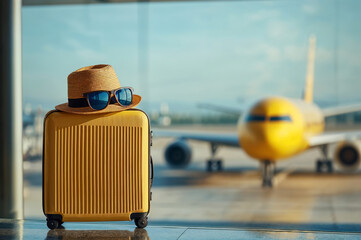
(319, 166)
(267, 173)
(324, 166)
(209, 166)
(219, 165)
(141, 222)
(267, 183)
(214, 165)
(329, 166)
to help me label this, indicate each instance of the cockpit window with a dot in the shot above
(281, 118)
(256, 118)
(263, 118)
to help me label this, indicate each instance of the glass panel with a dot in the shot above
(180, 55)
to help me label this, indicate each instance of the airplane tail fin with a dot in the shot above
(308, 93)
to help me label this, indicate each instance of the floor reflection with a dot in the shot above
(11, 229)
(137, 234)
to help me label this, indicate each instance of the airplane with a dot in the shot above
(276, 128)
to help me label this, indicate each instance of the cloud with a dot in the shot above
(262, 15)
(280, 29)
(294, 53)
(324, 55)
(310, 9)
(273, 53)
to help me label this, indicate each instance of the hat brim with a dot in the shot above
(88, 110)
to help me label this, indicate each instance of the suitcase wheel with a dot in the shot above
(53, 224)
(141, 222)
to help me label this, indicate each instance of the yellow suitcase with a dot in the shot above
(97, 167)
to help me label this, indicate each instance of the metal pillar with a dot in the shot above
(11, 162)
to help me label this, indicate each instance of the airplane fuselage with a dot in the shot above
(276, 128)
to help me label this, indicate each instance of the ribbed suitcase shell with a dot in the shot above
(96, 167)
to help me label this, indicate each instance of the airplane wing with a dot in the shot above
(218, 108)
(333, 137)
(215, 138)
(332, 111)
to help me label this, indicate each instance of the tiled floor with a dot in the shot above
(33, 229)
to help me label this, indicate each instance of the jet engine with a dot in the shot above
(178, 154)
(348, 155)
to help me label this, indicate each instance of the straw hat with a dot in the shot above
(89, 79)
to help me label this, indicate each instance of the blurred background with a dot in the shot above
(182, 57)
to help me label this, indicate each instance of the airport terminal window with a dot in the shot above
(180, 54)
(280, 118)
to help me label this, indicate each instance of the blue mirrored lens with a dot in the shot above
(98, 100)
(129, 96)
(124, 96)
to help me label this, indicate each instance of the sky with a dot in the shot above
(184, 53)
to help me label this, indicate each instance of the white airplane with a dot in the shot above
(276, 128)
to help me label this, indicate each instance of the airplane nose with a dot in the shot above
(272, 137)
(272, 129)
(271, 141)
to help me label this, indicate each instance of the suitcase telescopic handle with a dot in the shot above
(152, 171)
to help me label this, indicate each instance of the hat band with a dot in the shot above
(77, 102)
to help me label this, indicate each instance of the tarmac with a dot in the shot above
(232, 203)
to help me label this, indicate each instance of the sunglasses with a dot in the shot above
(99, 100)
